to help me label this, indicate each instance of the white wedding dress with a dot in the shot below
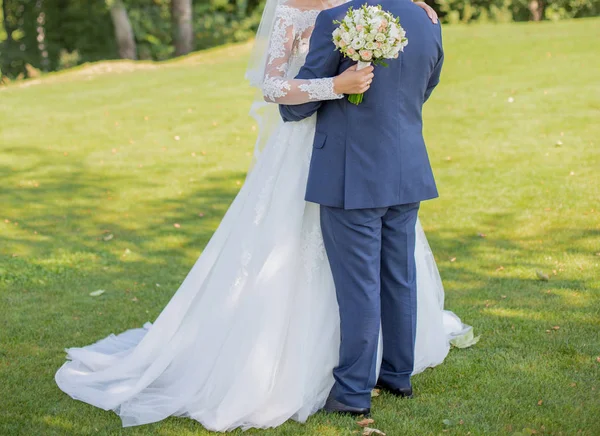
(251, 336)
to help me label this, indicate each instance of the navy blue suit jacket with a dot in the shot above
(372, 155)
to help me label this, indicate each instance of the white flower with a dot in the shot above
(358, 43)
(356, 57)
(346, 37)
(370, 45)
(377, 53)
(380, 37)
(370, 37)
(376, 21)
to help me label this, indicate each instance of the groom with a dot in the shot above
(369, 172)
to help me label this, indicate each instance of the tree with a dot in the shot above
(183, 33)
(123, 30)
(536, 7)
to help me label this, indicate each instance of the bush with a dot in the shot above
(466, 11)
(219, 21)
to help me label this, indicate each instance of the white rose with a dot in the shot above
(380, 37)
(376, 22)
(370, 37)
(377, 53)
(356, 57)
(358, 43)
(370, 46)
(346, 37)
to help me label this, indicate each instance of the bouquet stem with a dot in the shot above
(358, 98)
(355, 98)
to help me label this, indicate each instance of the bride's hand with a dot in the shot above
(431, 13)
(352, 81)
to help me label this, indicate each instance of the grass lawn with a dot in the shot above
(115, 175)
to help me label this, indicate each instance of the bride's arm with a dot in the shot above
(431, 13)
(277, 88)
(322, 61)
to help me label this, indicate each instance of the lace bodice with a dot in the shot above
(288, 48)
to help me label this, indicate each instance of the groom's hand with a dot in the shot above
(352, 81)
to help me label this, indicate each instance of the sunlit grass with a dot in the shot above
(115, 175)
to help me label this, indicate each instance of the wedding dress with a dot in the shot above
(251, 336)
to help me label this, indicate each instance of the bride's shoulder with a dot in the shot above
(303, 5)
(305, 11)
(299, 12)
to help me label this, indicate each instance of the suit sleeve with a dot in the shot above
(434, 79)
(322, 61)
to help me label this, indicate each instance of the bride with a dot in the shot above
(251, 337)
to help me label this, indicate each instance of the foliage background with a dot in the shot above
(79, 31)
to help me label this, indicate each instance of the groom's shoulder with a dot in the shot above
(337, 12)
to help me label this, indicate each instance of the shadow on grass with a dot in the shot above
(71, 254)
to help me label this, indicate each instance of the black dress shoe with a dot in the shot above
(334, 406)
(399, 392)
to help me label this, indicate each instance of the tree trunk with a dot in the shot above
(123, 30)
(536, 7)
(183, 32)
(41, 39)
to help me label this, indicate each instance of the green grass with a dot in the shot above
(90, 153)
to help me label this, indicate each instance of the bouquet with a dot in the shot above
(369, 35)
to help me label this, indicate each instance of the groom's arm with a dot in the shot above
(434, 79)
(322, 61)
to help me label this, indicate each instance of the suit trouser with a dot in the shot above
(371, 253)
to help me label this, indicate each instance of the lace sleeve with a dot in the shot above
(276, 87)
